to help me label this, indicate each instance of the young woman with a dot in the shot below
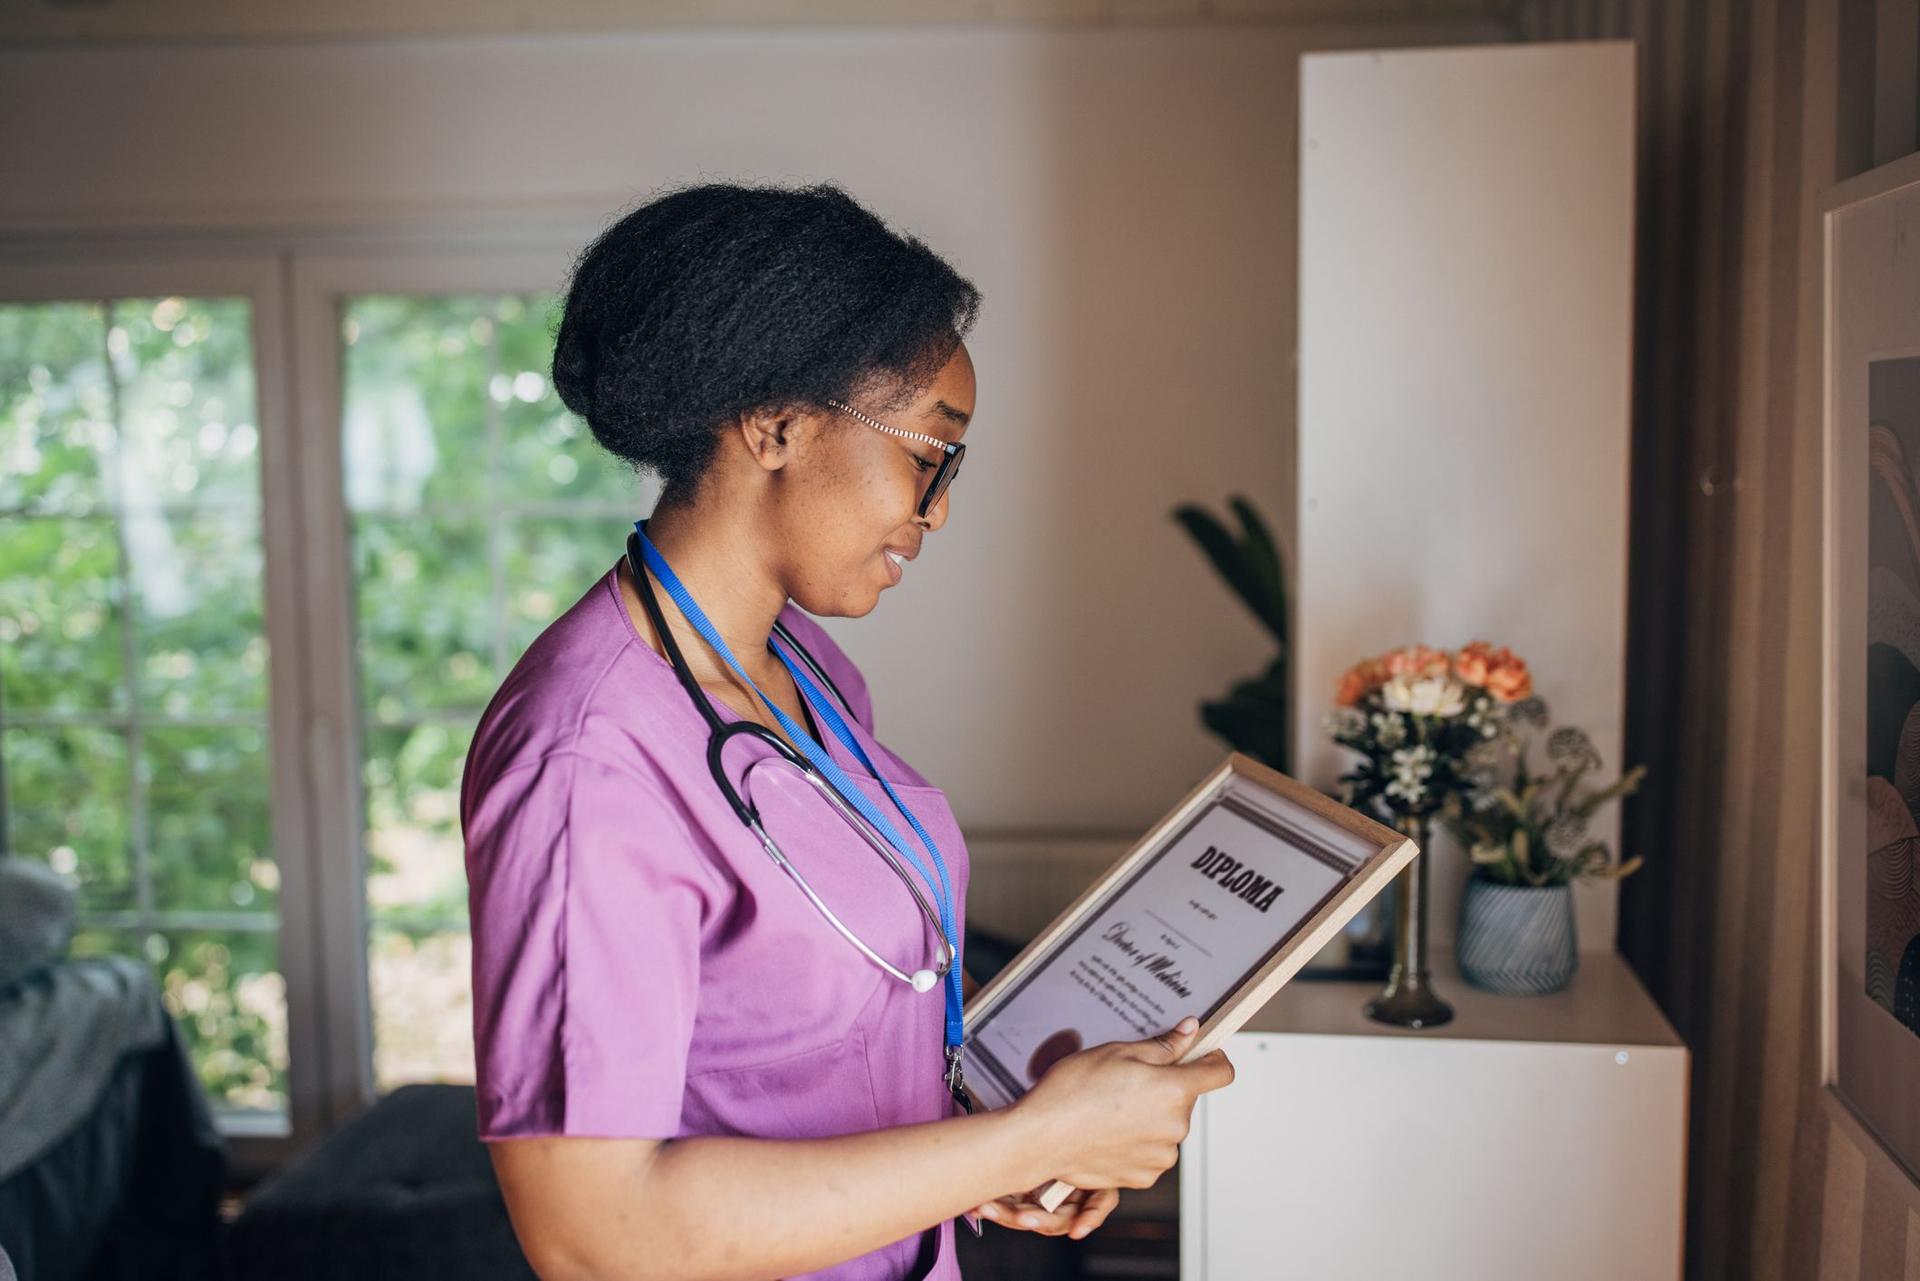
(715, 921)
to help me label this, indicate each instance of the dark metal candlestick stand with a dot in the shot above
(1409, 999)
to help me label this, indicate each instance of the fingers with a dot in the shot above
(1077, 1216)
(1172, 1044)
(1209, 1071)
(1094, 1212)
(1028, 1216)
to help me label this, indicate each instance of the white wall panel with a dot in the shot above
(1466, 249)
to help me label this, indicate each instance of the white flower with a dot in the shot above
(1412, 764)
(1389, 728)
(1429, 696)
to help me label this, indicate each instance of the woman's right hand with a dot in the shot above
(1113, 1115)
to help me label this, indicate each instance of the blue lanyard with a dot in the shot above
(817, 756)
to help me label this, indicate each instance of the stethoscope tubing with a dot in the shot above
(722, 732)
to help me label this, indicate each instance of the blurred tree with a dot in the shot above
(133, 654)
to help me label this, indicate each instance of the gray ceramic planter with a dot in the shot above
(1517, 939)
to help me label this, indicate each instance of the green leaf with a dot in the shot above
(1229, 559)
(1263, 556)
(1254, 716)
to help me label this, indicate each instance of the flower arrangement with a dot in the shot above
(1531, 829)
(1414, 715)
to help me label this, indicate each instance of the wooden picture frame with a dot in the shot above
(1334, 856)
(1870, 639)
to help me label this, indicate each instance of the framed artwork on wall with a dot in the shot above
(1870, 829)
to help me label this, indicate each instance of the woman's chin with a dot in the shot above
(856, 602)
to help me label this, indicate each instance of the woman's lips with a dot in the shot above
(895, 565)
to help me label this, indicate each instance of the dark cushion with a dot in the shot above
(405, 1189)
(36, 918)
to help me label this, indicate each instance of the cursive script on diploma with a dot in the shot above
(1158, 964)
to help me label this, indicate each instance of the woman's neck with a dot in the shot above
(720, 566)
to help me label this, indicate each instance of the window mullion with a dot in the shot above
(117, 492)
(496, 538)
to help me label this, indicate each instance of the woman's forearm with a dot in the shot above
(726, 1208)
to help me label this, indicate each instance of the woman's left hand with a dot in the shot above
(1079, 1214)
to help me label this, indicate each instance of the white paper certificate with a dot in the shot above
(1192, 924)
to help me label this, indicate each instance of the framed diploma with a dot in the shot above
(1218, 905)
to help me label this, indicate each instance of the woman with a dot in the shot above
(685, 1069)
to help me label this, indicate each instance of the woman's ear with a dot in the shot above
(768, 437)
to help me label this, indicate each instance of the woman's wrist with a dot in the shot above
(1030, 1145)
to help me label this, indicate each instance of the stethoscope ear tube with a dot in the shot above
(643, 584)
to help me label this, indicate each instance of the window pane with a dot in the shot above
(185, 372)
(61, 643)
(225, 990)
(415, 424)
(199, 611)
(56, 406)
(480, 509)
(425, 612)
(416, 872)
(210, 834)
(549, 564)
(417, 897)
(68, 805)
(422, 1006)
(133, 654)
(546, 453)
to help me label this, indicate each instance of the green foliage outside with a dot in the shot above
(133, 652)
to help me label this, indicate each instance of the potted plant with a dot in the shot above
(1253, 716)
(1527, 836)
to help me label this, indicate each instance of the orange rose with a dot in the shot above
(1416, 661)
(1359, 681)
(1507, 677)
(1471, 663)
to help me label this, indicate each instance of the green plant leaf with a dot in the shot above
(1229, 559)
(1263, 555)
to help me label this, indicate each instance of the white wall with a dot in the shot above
(1125, 198)
(1465, 366)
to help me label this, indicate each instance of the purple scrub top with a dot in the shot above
(641, 968)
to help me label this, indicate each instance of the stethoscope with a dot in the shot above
(821, 771)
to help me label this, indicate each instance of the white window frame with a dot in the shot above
(296, 285)
(113, 272)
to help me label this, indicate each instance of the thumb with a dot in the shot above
(1169, 1046)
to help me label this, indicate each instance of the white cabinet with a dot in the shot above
(1532, 1137)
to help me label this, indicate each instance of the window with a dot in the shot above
(340, 454)
(478, 508)
(133, 656)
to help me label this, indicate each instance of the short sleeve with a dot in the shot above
(586, 899)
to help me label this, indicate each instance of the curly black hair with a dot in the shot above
(717, 300)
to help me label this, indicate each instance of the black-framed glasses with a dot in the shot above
(951, 454)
